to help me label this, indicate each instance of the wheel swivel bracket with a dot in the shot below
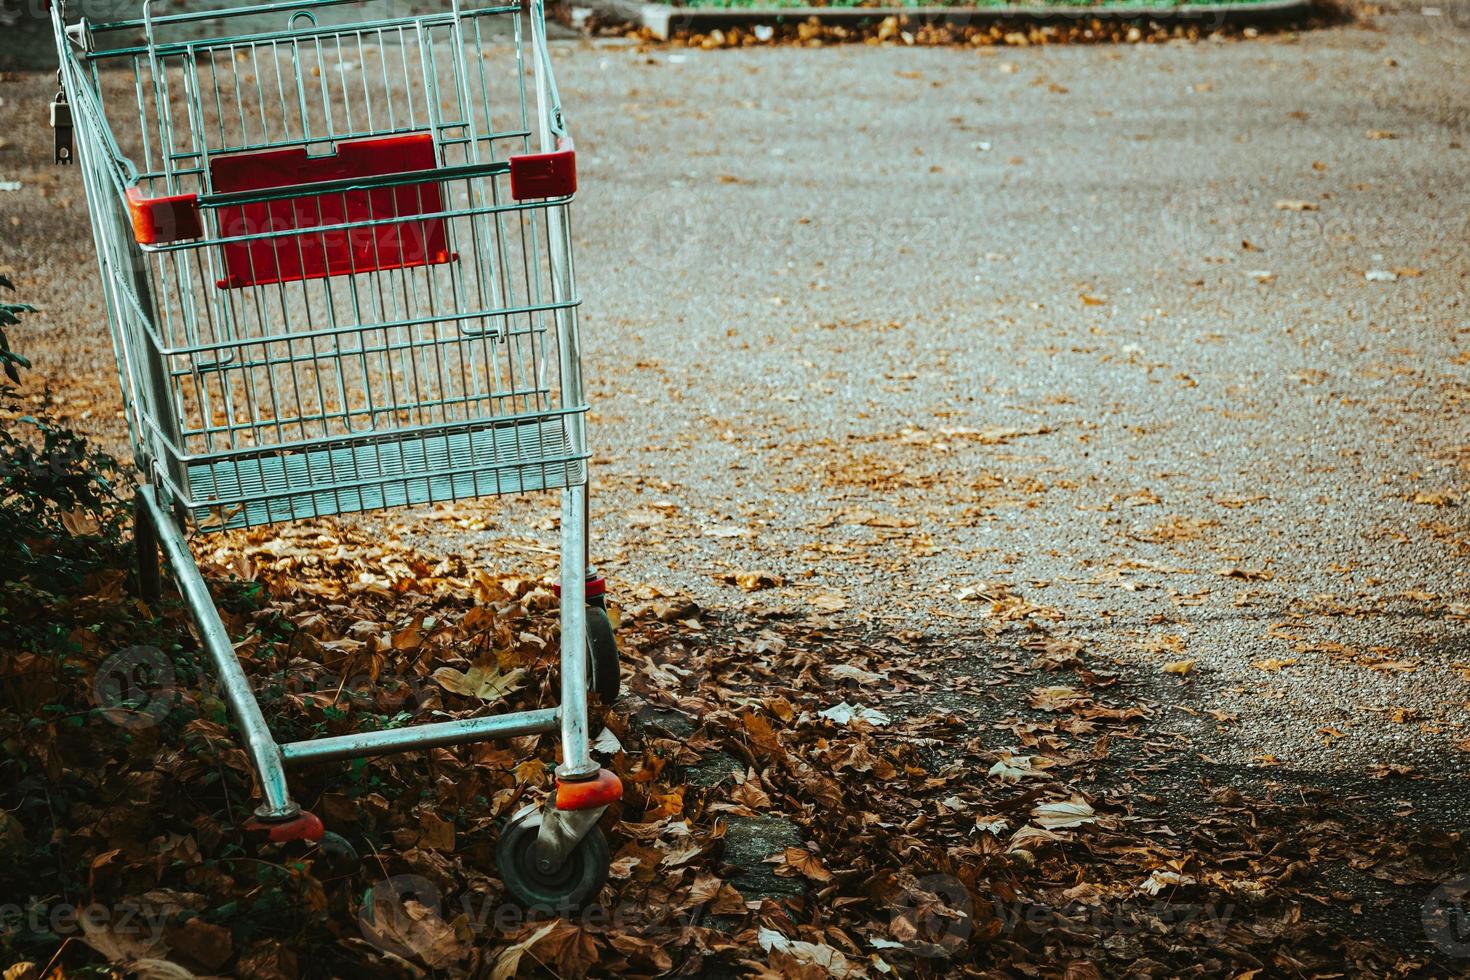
(575, 810)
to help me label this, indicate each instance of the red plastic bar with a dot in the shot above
(159, 220)
(544, 174)
(366, 248)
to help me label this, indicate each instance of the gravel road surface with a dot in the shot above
(1172, 340)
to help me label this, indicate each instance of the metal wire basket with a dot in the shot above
(335, 250)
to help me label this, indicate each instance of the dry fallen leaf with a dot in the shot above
(435, 833)
(799, 861)
(1272, 664)
(508, 962)
(1028, 837)
(754, 581)
(1067, 813)
(1157, 881)
(488, 683)
(848, 672)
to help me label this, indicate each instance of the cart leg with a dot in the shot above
(576, 758)
(278, 814)
(145, 545)
(557, 852)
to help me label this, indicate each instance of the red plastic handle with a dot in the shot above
(158, 220)
(551, 174)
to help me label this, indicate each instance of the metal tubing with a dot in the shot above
(353, 184)
(223, 14)
(576, 757)
(264, 752)
(430, 736)
(357, 365)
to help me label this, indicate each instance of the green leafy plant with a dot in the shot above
(10, 317)
(58, 513)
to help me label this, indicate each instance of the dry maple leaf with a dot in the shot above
(799, 861)
(488, 683)
(802, 953)
(1066, 813)
(407, 925)
(568, 949)
(508, 962)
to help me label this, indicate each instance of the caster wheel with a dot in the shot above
(339, 857)
(145, 542)
(567, 888)
(603, 675)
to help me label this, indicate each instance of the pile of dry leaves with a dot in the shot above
(950, 31)
(802, 799)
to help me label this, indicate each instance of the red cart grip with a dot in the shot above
(159, 220)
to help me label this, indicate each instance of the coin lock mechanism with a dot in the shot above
(61, 123)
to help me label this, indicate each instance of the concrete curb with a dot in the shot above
(663, 21)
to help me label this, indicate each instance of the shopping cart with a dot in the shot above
(335, 251)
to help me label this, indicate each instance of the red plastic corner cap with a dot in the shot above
(544, 174)
(157, 220)
(304, 826)
(585, 794)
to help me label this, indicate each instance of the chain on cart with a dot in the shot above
(335, 248)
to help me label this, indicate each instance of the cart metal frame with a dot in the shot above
(337, 264)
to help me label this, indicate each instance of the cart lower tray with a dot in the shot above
(376, 473)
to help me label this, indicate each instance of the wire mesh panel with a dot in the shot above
(343, 277)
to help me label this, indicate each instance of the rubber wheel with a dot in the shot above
(568, 888)
(339, 856)
(603, 673)
(145, 542)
